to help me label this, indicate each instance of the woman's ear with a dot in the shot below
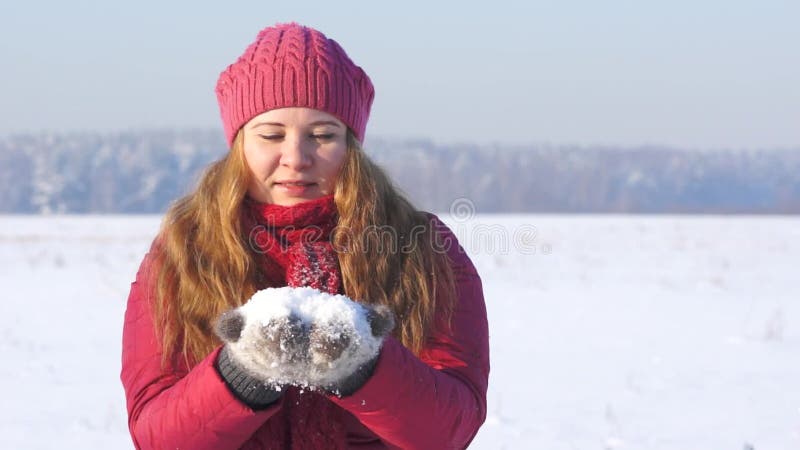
(230, 325)
(380, 318)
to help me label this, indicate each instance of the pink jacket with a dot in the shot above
(435, 401)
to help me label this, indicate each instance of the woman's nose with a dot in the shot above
(296, 153)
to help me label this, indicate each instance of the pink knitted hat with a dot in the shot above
(293, 65)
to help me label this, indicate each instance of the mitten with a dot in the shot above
(267, 343)
(250, 390)
(343, 350)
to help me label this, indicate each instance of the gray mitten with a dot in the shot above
(248, 389)
(304, 337)
(343, 351)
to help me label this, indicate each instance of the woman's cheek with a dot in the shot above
(262, 165)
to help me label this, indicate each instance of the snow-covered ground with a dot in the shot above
(607, 332)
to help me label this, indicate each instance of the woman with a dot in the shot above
(297, 195)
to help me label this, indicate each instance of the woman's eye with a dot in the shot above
(323, 136)
(271, 137)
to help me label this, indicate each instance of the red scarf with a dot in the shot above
(295, 244)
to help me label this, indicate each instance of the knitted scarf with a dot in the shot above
(295, 249)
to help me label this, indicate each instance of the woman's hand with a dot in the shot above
(304, 337)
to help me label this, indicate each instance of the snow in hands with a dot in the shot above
(304, 337)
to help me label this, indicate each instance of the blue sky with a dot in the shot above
(693, 74)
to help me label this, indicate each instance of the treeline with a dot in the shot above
(142, 172)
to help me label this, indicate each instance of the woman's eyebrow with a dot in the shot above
(267, 123)
(325, 122)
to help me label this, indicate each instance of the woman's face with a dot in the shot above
(294, 154)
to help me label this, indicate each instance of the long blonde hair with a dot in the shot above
(204, 265)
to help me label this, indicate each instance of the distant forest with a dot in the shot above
(142, 172)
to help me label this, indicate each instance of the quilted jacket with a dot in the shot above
(434, 401)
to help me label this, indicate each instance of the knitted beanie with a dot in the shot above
(293, 65)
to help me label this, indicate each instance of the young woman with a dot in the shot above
(294, 109)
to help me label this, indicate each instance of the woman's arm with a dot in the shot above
(186, 409)
(439, 399)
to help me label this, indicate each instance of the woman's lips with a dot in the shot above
(294, 187)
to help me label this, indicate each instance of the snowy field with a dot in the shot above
(607, 332)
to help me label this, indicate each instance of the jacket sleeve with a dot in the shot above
(437, 400)
(176, 408)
